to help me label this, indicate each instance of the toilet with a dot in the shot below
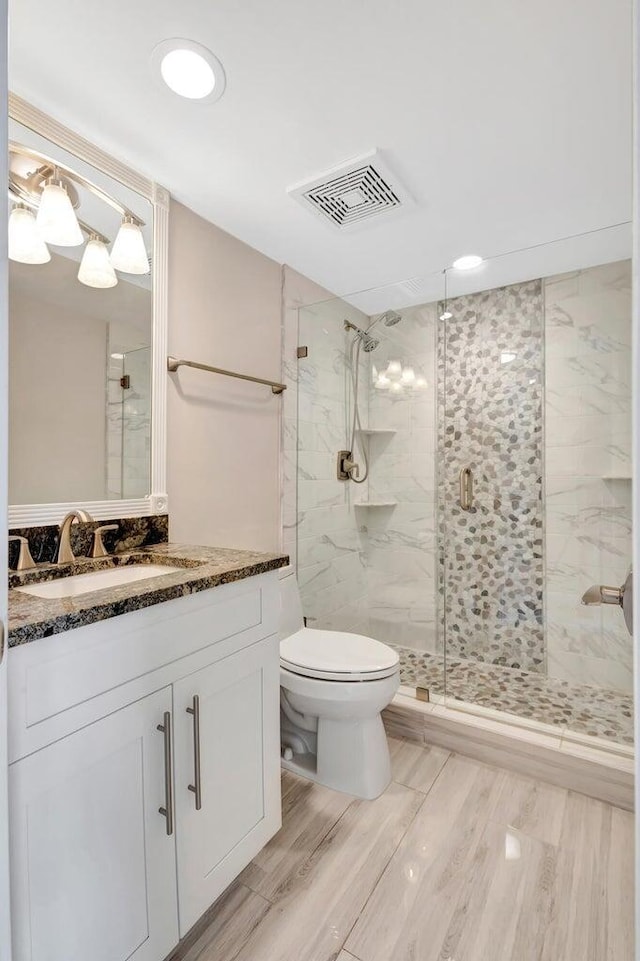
(333, 688)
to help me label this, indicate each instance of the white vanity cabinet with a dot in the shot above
(238, 773)
(93, 869)
(95, 873)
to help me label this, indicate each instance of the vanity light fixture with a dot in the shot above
(96, 270)
(408, 377)
(189, 69)
(421, 383)
(56, 218)
(468, 262)
(382, 382)
(129, 253)
(26, 245)
(38, 183)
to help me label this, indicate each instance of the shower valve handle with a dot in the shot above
(346, 466)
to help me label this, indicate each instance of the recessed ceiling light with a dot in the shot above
(189, 69)
(467, 263)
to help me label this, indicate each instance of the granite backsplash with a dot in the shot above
(132, 532)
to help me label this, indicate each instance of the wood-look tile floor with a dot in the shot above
(456, 861)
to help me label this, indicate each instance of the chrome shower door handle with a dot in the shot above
(466, 488)
(196, 787)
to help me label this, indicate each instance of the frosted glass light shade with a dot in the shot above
(96, 269)
(56, 218)
(382, 383)
(408, 378)
(26, 245)
(394, 370)
(128, 253)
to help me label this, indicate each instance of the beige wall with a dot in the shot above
(57, 362)
(223, 435)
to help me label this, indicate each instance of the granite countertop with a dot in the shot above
(201, 568)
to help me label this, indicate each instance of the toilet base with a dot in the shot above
(352, 757)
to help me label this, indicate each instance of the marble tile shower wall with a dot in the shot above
(361, 568)
(588, 471)
(401, 540)
(321, 532)
(490, 411)
(128, 433)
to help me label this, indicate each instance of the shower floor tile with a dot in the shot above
(588, 710)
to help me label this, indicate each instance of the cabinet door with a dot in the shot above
(239, 747)
(93, 869)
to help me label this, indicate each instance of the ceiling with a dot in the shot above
(508, 122)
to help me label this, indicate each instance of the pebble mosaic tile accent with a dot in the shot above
(587, 710)
(490, 395)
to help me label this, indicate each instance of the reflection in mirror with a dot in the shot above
(80, 324)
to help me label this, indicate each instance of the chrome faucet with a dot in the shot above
(64, 554)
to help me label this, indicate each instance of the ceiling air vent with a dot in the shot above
(354, 192)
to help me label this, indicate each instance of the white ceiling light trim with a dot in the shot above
(353, 193)
(189, 70)
(468, 262)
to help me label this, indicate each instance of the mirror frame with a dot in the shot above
(156, 502)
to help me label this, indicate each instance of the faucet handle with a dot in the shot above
(25, 560)
(98, 549)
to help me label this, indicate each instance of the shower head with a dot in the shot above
(391, 318)
(368, 343)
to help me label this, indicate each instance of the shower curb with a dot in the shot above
(591, 766)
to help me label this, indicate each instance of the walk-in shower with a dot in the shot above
(528, 389)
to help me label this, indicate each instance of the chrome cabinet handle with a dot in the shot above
(466, 489)
(197, 787)
(167, 810)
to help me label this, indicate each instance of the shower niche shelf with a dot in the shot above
(376, 431)
(375, 504)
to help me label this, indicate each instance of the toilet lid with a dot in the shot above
(337, 655)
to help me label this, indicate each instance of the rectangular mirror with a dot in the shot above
(82, 323)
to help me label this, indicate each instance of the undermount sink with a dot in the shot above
(96, 580)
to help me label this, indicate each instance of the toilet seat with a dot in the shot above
(337, 656)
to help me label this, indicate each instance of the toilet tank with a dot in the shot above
(291, 619)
